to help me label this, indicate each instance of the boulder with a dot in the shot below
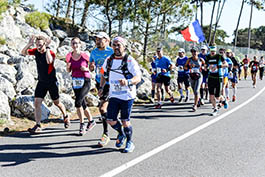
(4, 107)
(8, 72)
(68, 102)
(3, 58)
(92, 100)
(26, 82)
(144, 87)
(60, 34)
(7, 87)
(63, 51)
(25, 108)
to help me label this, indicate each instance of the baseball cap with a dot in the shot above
(228, 50)
(204, 47)
(181, 50)
(121, 40)
(213, 48)
(102, 35)
(194, 49)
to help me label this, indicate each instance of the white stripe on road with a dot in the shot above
(176, 140)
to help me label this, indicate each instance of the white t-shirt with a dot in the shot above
(116, 90)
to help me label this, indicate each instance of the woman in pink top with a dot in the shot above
(77, 63)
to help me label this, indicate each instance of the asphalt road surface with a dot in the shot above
(171, 142)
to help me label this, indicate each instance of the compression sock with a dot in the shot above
(128, 132)
(118, 127)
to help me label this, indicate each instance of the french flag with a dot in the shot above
(193, 32)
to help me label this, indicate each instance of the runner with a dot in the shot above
(245, 66)
(183, 75)
(233, 73)
(195, 64)
(122, 91)
(97, 58)
(153, 78)
(163, 66)
(77, 64)
(254, 65)
(227, 72)
(47, 80)
(261, 67)
(215, 62)
(204, 85)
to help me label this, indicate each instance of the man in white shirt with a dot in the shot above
(123, 73)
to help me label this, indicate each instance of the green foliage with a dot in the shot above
(3, 6)
(2, 41)
(219, 37)
(38, 20)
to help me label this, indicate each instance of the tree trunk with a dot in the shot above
(108, 16)
(201, 6)
(211, 23)
(218, 18)
(238, 21)
(134, 20)
(250, 20)
(120, 26)
(163, 27)
(67, 15)
(145, 41)
(84, 16)
(58, 8)
(73, 14)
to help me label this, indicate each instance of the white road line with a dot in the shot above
(176, 140)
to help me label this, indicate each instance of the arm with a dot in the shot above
(49, 57)
(187, 64)
(24, 51)
(92, 66)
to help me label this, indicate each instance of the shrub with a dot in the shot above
(3, 6)
(38, 20)
(2, 41)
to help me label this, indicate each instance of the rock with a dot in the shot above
(144, 88)
(8, 72)
(63, 51)
(26, 81)
(68, 102)
(7, 88)
(60, 34)
(25, 106)
(63, 77)
(48, 31)
(91, 100)
(4, 107)
(27, 91)
(3, 58)
(15, 60)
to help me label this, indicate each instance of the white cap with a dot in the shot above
(103, 35)
(181, 50)
(204, 47)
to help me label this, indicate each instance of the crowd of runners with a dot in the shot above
(208, 72)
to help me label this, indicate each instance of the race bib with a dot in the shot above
(153, 70)
(158, 70)
(98, 70)
(246, 65)
(117, 89)
(230, 76)
(78, 82)
(195, 70)
(213, 68)
(180, 68)
(254, 68)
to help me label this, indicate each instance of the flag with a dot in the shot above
(193, 32)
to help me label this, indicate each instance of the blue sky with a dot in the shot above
(228, 19)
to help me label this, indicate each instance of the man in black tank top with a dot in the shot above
(47, 80)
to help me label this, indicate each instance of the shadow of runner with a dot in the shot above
(20, 158)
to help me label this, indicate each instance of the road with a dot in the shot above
(171, 142)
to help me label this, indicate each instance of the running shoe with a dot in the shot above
(172, 99)
(82, 129)
(186, 99)
(90, 125)
(194, 108)
(66, 121)
(254, 86)
(225, 104)
(158, 106)
(180, 99)
(152, 100)
(129, 147)
(234, 98)
(201, 102)
(35, 130)
(120, 140)
(104, 140)
(215, 112)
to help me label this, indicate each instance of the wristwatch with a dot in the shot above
(129, 82)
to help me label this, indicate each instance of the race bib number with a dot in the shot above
(117, 89)
(153, 70)
(159, 70)
(180, 68)
(254, 68)
(195, 70)
(230, 76)
(78, 82)
(245, 65)
(213, 68)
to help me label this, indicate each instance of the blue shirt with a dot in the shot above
(99, 56)
(181, 63)
(163, 63)
(202, 56)
(226, 70)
